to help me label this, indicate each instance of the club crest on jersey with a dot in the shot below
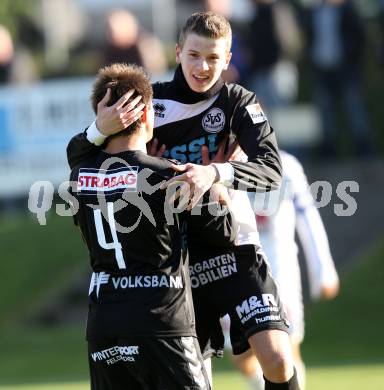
(110, 181)
(256, 113)
(214, 120)
(159, 109)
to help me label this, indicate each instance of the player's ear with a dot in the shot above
(144, 117)
(178, 53)
(227, 60)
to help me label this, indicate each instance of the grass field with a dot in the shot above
(329, 378)
(36, 259)
(343, 347)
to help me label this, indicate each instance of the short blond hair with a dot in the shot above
(207, 24)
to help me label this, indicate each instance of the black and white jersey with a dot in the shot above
(139, 284)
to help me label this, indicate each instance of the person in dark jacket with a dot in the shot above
(336, 43)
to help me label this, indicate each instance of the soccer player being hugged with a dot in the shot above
(140, 326)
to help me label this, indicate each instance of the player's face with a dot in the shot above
(203, 60)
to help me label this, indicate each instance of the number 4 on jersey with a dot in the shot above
(115, 244)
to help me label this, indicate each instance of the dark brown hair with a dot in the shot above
(207, 24)
(120, 78)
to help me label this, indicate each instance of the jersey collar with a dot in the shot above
(187, 95)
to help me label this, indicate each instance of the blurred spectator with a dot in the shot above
(6, 55)
(381, 21)
(127, 42)
(336, 44)
(274, 40)
(16, 64)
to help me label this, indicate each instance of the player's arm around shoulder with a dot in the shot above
(249, 123)
(81, 147)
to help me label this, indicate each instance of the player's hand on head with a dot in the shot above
(153, 148)
(197, 179)
(221, 155)
(112, 119)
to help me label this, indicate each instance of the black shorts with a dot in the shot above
(236, 282)
(147, 364)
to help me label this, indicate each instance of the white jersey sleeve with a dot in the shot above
(310, 229)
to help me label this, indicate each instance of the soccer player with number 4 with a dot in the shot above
(195, 112)
(140, 327)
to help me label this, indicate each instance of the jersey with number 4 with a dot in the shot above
(136, 247)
